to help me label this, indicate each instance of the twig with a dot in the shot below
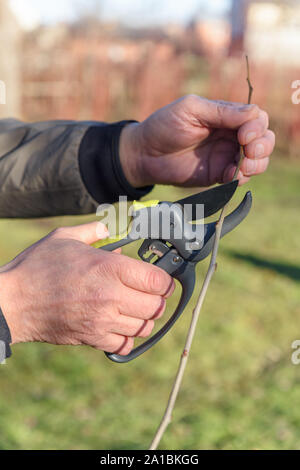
(242, 149)
(167, 417)
(249, 81)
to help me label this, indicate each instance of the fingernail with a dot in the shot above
(250, 136)
(259, 150)
(250, 166)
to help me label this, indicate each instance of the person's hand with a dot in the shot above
(63, 291)
(196, 142)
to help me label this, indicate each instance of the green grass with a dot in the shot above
(240, 390)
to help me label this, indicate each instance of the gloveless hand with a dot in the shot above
(196, 142)
(63, 291)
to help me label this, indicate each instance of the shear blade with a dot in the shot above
(230, 222)
(213, 200)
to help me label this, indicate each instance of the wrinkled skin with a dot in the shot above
(63, 291)
(195, 142)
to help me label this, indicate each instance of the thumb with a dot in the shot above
(224, 114)
(87, 233)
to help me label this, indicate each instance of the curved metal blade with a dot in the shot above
(230, 222)
(212, 199)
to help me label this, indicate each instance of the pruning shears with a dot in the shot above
(178, 251)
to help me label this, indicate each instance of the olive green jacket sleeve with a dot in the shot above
(60, 167)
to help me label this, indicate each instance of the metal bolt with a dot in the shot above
(177, 259)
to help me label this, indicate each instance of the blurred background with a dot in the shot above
(118, 59)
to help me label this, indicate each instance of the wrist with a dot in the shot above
(131, 155)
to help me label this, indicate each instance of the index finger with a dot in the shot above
(222, 114)
(145, 277)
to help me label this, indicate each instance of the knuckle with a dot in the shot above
(220, 110)
(118, 265)
(58, 232)
(91, 327)
(104, 318)
(108, 318)
(108, 267)
(94, 337)
(98, 344)
(190, 99)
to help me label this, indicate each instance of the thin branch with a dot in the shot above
(242, 149)
(249, 81)
(167, 417)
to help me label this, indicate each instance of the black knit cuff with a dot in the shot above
(100, 165)
(5, 336)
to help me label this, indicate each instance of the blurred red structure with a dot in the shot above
(78, 76)
(95, 71)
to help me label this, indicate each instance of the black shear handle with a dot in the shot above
(185, 274)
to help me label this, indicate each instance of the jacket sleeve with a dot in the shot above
(60, 168)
